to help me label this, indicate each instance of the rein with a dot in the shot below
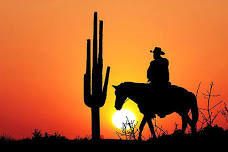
(126, 99)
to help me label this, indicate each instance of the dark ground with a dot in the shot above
(206, 138)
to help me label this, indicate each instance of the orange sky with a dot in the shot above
(43, 54)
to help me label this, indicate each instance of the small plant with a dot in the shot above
(38, 137)
(224, 112)
(209, 117)
(36, 134)
(5, 138)
(158, 129)
(128, 130)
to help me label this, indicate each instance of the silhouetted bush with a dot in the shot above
(207, 135)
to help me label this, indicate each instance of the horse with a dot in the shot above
(152, 101)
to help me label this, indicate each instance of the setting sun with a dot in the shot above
(122, 116)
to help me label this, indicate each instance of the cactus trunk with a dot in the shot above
(95, 95)
(95, 112)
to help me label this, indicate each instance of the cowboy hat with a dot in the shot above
(158, 51)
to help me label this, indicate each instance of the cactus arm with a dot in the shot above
(87, 77)
(88, 64)
(104, 93)
(87, 96)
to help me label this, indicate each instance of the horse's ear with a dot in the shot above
(115, 86)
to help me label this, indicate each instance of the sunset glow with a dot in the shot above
(43, 58)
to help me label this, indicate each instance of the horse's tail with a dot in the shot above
(194, 110)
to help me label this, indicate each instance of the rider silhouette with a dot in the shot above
(158, 71)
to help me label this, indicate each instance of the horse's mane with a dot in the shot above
(128, 85)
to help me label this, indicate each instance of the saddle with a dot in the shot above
(161, 98)
(160, 88)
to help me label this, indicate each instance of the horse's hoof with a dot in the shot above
(193, 132)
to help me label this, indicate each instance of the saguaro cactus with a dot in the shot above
(95, 95)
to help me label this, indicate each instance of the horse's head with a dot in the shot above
(120, 97)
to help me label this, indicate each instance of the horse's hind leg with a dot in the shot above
(142, 124)
(184, 123)
(151, 127)
(190, 122)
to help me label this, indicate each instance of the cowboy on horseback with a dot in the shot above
(158, 71)
(182, 101)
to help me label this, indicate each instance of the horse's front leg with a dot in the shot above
(142, 124)
(151, 127)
